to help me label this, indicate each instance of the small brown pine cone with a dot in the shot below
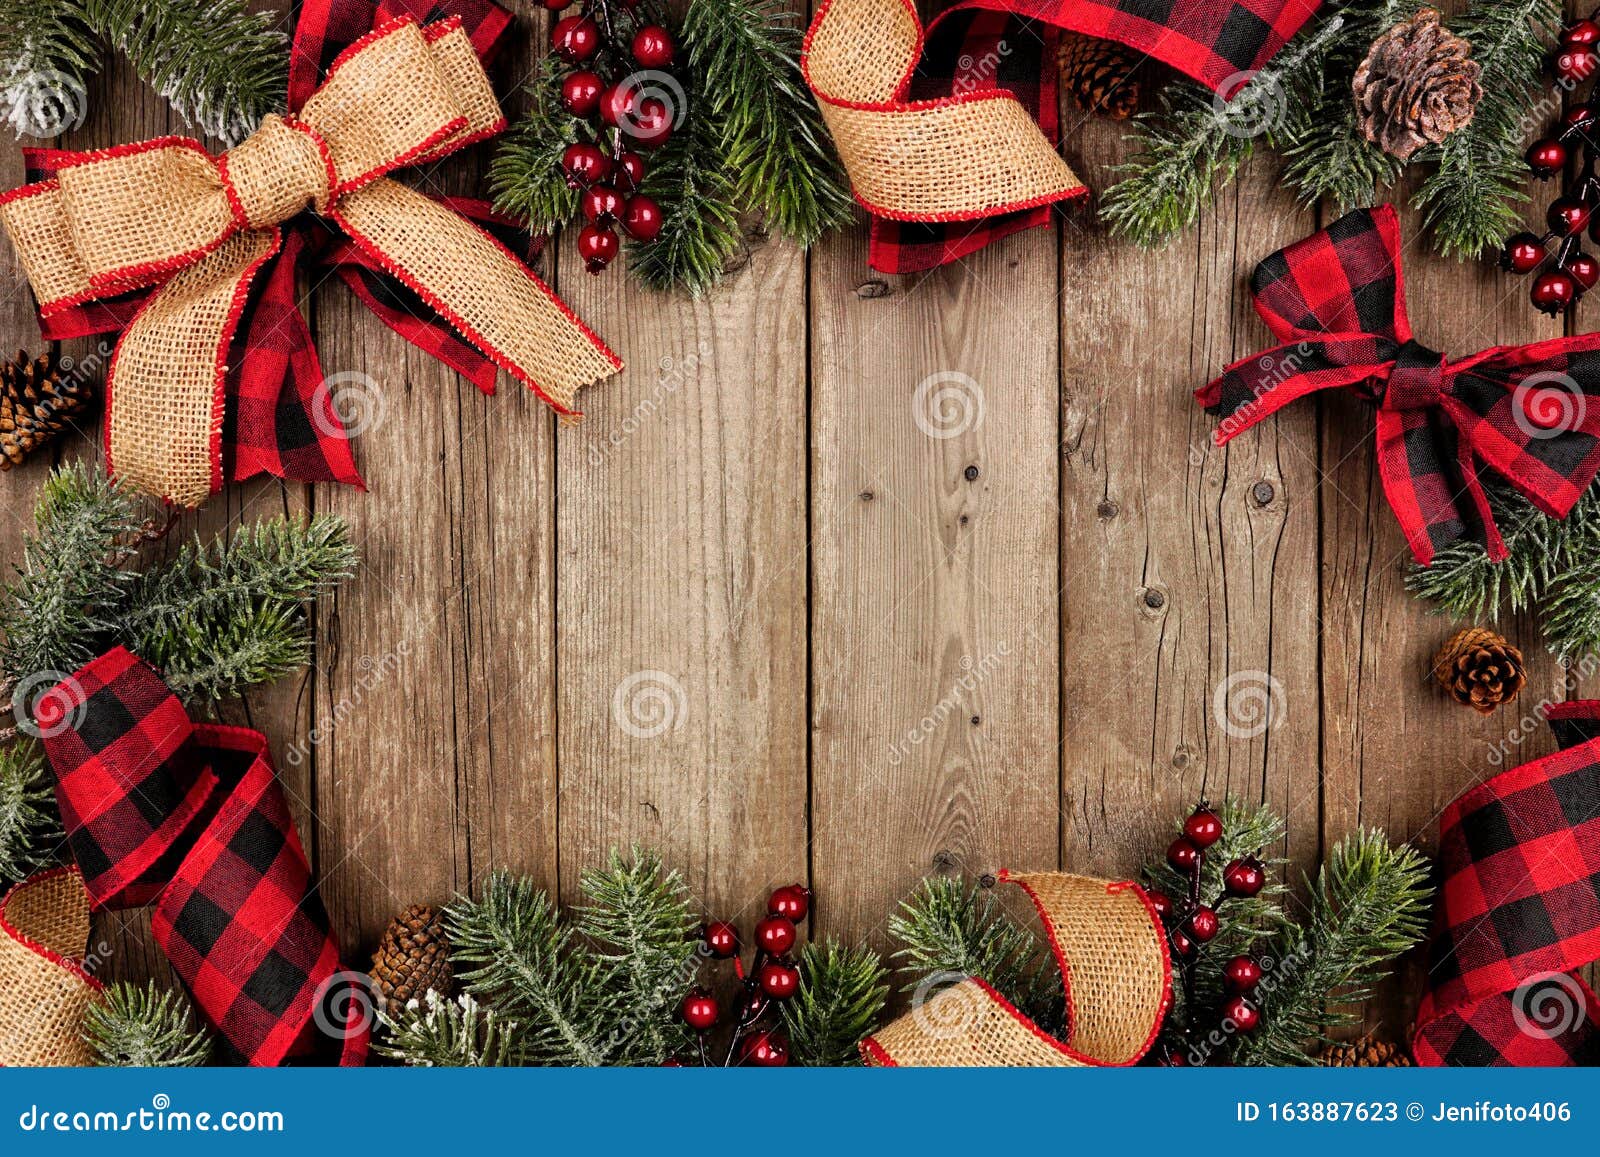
(413, 957)
(1099, 75)
(36, 405)
(1366, 1053)
(1479, 669)
(1417, 85)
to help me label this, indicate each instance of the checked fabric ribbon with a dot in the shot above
(1519, 912)
(194, 256)
(1529, 414)
(191, 818)
(949, 132)
(1112, 952)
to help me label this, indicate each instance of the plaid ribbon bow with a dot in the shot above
(949, 133)
(191, 817)
(1530, 414)
(1519, 912)
(195, 257)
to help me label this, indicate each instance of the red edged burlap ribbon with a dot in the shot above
(44, 990)
(166, 213)
(1112, 952)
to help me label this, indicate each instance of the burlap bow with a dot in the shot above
(1530, 414)
(44, 987)
(1112, 952)
(949, 134)
(201, 228)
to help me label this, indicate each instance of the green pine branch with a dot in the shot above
(691, 181)
(840, 1001)
(145, 1027)
(440, 1033)
(949, 930)
(48, 49)
(1370, 904)
(525, 176)
(744, 56)
(30, 827)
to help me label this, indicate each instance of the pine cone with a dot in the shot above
(1479, 669)
(1367, 1053)
(1098, 75)
(36, 403)
(413, 957)
(1417, 85)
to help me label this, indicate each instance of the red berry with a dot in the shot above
(616, 104)
(580, 92)
(652, 46)
(586, 164)
(649, 122)
(556, 5)
(1182, 945)
(1568, 215)
(1553, 291)
(1161, 902)
(641, 220)
(1579, 118)
(1244, 878)
(1546, 157)
(1202, 924)
(601, 204)
(792, 901)
(1576, 65)
(699, 1010)
(768, 1050)
(1242, 1013)
(630, 172)
(575, 38)
(1183, 855)
(1580, 33)
(1585, 270)
(775, 935)
(1203, 827)
(597, 246)
(1523, 253)
(1241, 974)
(779, 980)
(722, 939)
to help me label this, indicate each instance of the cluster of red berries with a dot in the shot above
(620, 111)
(1191, 923)
(772, 978)
(1574, 271)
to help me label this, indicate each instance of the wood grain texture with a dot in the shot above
(935, 683)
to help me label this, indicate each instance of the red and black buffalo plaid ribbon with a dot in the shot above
(1519, 912)
(975, 48)
(191, 818)
(1530, 414)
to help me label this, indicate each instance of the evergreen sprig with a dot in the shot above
(840, 1000)
(525, 176)
(144, 1028)
(1552, 566)
(47, 50)
(700, 234)
(948, 930)
(1369, 904)
(745, 56)
(436, 1032)
(30, 827)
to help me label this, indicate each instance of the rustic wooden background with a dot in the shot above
(871, 649)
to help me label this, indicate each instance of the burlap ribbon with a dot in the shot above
(1112, 952)
(44, 989)
(164, 212)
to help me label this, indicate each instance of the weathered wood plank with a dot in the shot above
(934, 617)
(1188, 573)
